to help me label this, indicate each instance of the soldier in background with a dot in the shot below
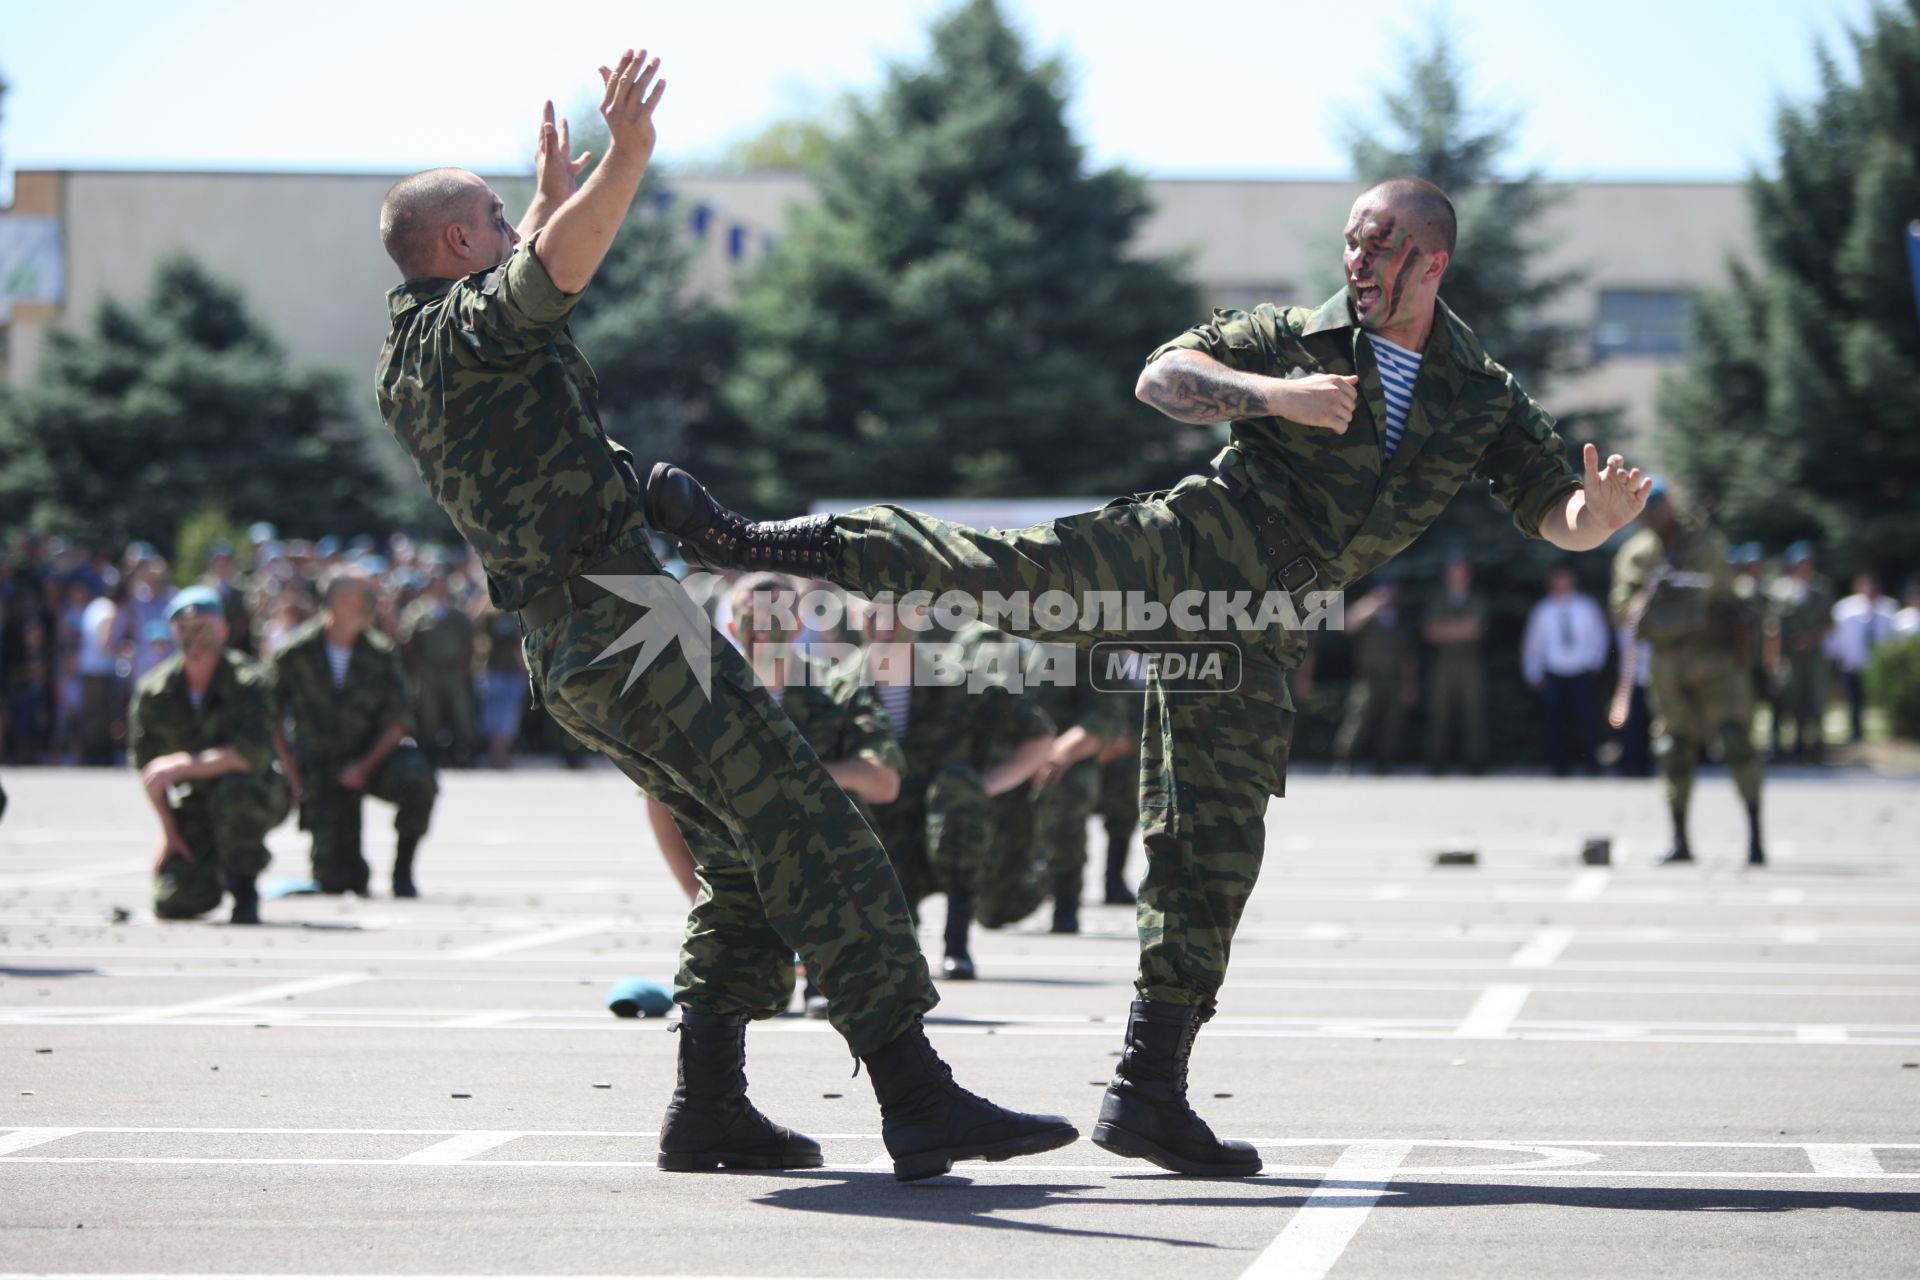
(503, 682)
(1386, 680)
(1119, 803)
(1066, 788)
(340, 685)
(201, 735)
(1455, 623)
(439, 643)
(1672, 587)
(1799, 615)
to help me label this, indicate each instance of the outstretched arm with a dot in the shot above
(556, 175)
(576, 238)
(1191, 386)
(1607, 500)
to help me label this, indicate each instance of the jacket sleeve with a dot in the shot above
(1527, 464)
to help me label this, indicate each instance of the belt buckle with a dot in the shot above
(1287, 569)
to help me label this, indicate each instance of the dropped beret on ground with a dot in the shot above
(639, 997)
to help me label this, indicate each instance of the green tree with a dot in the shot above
(1796, 413)
(960, 313)
(157, 411)
(801, 144)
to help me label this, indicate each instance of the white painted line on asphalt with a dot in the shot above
(237, 999)
(1821, 1033)
(488, 1018)
(70, 875)
(1542, 949)
(1843, 1159)
(1588, 885)
(1786, 897)
(461, 1146)
(529, 941)
(21, 1139)
(1320, 1230)
(1389, 892)
(1493, 1013)
(1799, 933)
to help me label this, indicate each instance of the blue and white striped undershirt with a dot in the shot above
(896, 698)
(1399, 368)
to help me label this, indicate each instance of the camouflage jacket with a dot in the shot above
(1688, 591)
(953, 724)
(1355, 507)
(438, 638)
(482, 385)
(338, 724)
(236, 712)
(1800, 612)
(1060, 680)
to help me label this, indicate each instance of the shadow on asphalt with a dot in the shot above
(954, 1201)
(7, 971)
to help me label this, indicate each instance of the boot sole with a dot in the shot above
(931, 1164)
(1124, 1143)
(708, 1161)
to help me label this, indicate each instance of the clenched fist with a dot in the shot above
(1319, 400)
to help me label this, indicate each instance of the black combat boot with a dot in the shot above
(1756, 852)
(710, 1122)
(246, 899)
(403, 867)
(1681, 853)
(1118, 895)
(929, 1122)
(716, 538)
(1145, 1113)
(1066, 903)
(958, 964)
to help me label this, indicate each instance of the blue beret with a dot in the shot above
(1798, 554)
(639, 997)
(193, 598)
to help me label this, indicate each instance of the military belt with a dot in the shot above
(562, 596)
(1286, 553)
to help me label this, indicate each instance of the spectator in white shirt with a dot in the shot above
(1860, 623)
(1565, 645)
(1907, 621)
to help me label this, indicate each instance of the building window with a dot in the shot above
(1640, 322)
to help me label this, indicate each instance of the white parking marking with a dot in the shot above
(1843, 1159)
(1542, 949)
(1320, 1230)
(529, 941)
(21, 1139)
(1588, 885)
(1493, 1013)
(237, 999)
(1821, 1034)
(462, 1146)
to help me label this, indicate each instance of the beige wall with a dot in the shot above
(304, 246)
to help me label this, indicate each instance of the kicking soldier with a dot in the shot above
(481, 383)
(1353, 425)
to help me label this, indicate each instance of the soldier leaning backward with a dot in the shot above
(481, 383)
(1353, 424)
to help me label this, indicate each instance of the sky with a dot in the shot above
(1626, 89)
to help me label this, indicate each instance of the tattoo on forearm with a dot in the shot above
(1200, 393)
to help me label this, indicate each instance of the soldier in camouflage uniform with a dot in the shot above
(438, 639)
(481, 383)
(1306, 497)
(1673, 588)
(970, 739)
(339, 683)
(201, 731)
(1119, 803)
(1799, 615)
(1385, 680)
(1455, 622)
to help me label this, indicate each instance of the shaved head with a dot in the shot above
(1423, 209)
(419, 208)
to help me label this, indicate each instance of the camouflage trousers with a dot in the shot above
(785, 862)
(938, 835)
(1210, 760)
(1701, 695)
(1457, 708)
(1802, 700)
(1014, 883)
(1375, 715)
(1119, 803)
(332, 814)
(225, 822)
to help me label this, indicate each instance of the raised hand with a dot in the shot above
(556, 175)
(1322, 400)
(1614, 494)
(627, 105)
